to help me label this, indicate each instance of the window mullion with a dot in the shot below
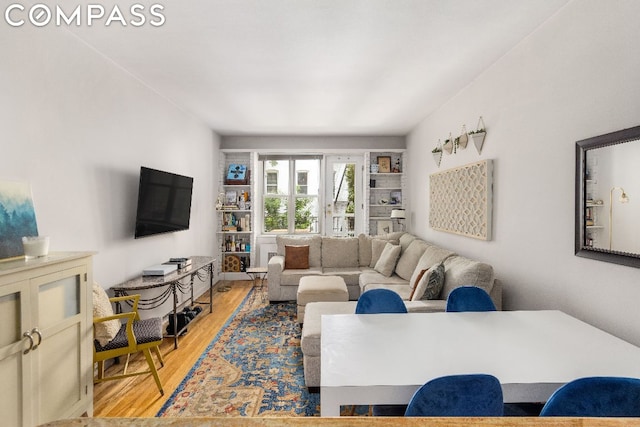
(292, 197)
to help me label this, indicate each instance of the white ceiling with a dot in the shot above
(317, 67)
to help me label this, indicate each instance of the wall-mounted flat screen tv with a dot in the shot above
(164, 202)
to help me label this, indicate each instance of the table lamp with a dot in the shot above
(398, 215)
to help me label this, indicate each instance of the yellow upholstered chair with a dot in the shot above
(116, 339)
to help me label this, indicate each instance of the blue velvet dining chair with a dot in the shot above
(377, 301)
(595, 397)
(380, 301)
(469, 298)
(472, 395)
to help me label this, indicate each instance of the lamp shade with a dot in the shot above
(397, 214)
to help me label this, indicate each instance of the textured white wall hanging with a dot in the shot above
(460, 200)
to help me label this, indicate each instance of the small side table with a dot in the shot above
(258, 274)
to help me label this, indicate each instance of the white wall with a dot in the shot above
(575, 77)
(78, 128)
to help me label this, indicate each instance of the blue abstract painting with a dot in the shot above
(17, 217)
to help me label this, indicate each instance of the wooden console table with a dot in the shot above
(201, 266)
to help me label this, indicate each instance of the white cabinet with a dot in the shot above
(235, 217)
(46, 333)
(385, 190)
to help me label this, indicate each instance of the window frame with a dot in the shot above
(293, 193)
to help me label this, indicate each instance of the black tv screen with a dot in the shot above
(164, 202)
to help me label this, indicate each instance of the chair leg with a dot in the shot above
(126, 364)
(154, 371)
(156, 350)
(101, 369)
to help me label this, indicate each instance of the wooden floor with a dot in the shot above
(138, 396)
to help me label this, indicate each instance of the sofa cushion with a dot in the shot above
(368, 277)
(364, 250)
(314, 243)
(461, 271)
(339, 252)
(296, 257)
(310, 340)
(388, 259)
(292, 277)
(350, 275)
(394, 236)
(432, 255)
(409, 259)
(430, 284)
(400, 288)
(405, 240)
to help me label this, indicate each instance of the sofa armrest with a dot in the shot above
(496, 293)
(276, 263)
(274, 276)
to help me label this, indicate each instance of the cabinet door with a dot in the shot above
(14, 370)
(59, 385)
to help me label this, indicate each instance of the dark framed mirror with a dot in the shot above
(607, 205)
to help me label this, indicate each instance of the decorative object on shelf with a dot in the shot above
(372, 183)
(623, 199)
(395, 197)
(237, 175)
(374, 168)
(231, 199)
(220, 201)
(477, 136)
(384, 164)
(463, 139)
(396, 166)
(448, 145)
(236, 172)
(16, 201)
(437, 153)
(384, 227)
(231, 263)
(398, 214)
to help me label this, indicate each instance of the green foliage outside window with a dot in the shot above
(275, 214)
(351, 182)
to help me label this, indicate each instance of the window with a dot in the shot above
(272, 182)
(301, 182)
(291, 189)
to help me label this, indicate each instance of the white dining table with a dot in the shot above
(384, 358)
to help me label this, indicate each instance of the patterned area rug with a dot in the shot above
(253, 367)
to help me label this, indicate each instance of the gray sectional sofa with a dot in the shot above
(355, 258)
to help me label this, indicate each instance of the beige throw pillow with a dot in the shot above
(103, 331)
(388, 259)
(377, 246)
